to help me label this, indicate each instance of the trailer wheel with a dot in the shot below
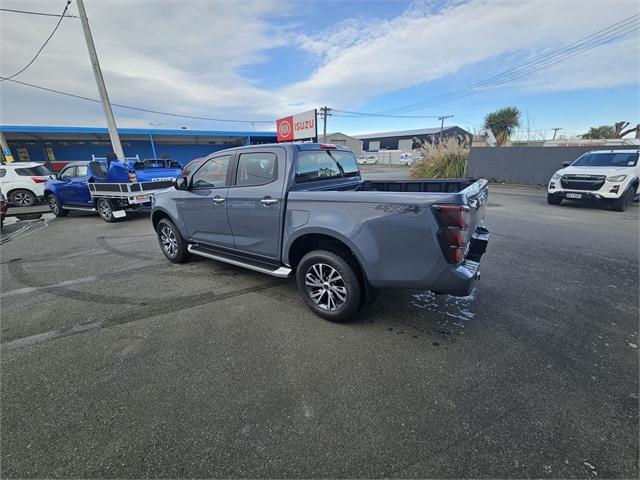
(105, 210)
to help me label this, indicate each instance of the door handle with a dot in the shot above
(218, 200)
(266, 201)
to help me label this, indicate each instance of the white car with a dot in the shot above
(408, 160)
(368, 160)
(23, 182)
(612, 176)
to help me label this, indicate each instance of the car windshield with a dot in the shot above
(609, 159)
(38, 170)
(325, 164)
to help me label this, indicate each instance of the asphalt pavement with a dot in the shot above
(116, 363)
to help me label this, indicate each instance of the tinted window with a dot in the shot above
(325, 164)
(212, 174)
(256, 169)
(607, 160)
(38, 171)
(3, 172)
(68, 172)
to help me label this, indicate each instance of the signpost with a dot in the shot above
(301, 126)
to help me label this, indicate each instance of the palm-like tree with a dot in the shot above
(603, 131)
(502, 123)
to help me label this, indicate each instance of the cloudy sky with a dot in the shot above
(261, 59)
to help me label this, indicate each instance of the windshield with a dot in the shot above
(325, 164)
(607, 160)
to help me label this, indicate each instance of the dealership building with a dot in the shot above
(56, 145)
(404, 140)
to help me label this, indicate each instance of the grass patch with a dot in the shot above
(442, 164)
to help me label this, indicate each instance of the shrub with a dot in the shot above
(441, 164)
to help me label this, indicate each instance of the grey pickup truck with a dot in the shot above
(304, 208)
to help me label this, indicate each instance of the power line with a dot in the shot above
(363, 114)
(11, 10)
(601, 37)
(42, 47)
(129, 107)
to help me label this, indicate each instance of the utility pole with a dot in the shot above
(442, 124)
(324, 111)
(555, 130)
(6, 151)
(102, 89)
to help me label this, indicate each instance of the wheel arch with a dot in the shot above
(158, 215)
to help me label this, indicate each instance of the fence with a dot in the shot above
(524, 165)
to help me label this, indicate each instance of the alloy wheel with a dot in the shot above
(325, 286)
(22, 199)
(53, 204)
(105, 210)
(169, 241)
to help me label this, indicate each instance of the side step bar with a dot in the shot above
(80, 209)
(280, 272)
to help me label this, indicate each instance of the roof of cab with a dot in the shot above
(292, 145)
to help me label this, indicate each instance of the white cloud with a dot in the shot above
(187, 57)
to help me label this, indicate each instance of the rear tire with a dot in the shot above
(56, 207)
(329, 286)
(621, 204)
(105, 210)
(22, 198)
(171, 242)
(553, 199)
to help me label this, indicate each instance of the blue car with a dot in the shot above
(110, 188)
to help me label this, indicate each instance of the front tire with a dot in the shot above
(56, 207)
(553, 199)
(105, 210)
(171, 242)
(23, 198)
(621, 204)
(329, 286)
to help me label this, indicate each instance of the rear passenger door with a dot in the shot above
(203, 207)
(255, 202)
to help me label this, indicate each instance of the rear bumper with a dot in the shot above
(459, 280)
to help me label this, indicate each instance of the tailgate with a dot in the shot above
(157, 174)
(477, 195)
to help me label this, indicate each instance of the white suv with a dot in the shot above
(23, 182)
(612, 176)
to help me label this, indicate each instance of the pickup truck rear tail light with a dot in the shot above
(132, 177)
(39, 179)
(454, 234)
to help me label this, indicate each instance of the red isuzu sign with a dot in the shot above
(301, 126)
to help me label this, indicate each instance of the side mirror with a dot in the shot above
(180, 183)
(53, 176)
(567, 163)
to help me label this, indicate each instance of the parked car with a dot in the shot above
(3, 209)
(304, 208)
(611, 176)
(110, 188)
(22, 183)
(368, 160)
(408, 160)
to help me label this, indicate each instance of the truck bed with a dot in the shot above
(436, 186)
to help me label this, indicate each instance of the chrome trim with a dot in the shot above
(281, 272)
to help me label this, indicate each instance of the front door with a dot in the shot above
(203, 207)
(255, 203)
(65, 187)
(79, 190)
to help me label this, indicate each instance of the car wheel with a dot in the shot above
(329, 286)
(553, 199)
(56, 207)
(105, 210)
(22, 198)
(621, 204)
(171, 242)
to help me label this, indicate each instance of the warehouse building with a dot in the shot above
(342, 139)
(58, 145)
(404, 140)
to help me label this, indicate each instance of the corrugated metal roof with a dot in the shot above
(131, 131)
(404, 133)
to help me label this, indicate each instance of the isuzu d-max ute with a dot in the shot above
(611, 176)
(304, 209)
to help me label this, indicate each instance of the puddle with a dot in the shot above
(442, 316)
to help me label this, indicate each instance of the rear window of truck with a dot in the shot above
(324, 165)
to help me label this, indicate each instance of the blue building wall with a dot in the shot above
(83, 151)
